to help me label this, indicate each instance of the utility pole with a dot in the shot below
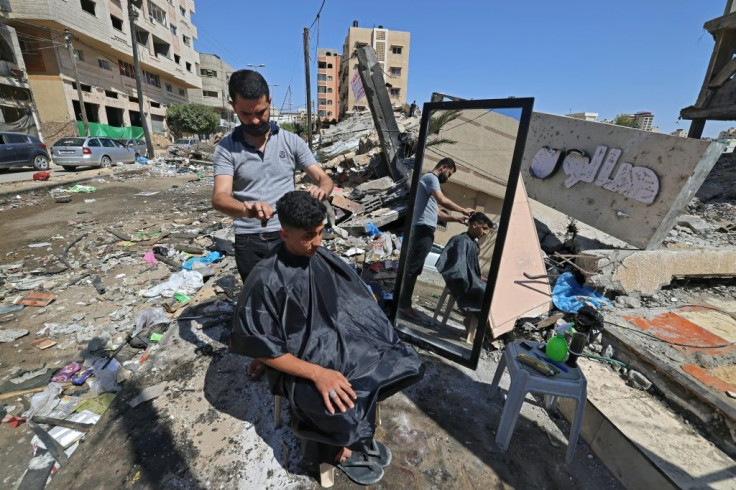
(70, 47)
(132, 15)
(309, 91)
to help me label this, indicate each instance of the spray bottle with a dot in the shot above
(556, 348)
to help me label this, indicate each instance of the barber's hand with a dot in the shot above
(317, 193)
(462, 219)
(258, 209)
(328, 381)
(468, 211)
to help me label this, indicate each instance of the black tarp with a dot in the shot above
(319, 310)
(459, 266)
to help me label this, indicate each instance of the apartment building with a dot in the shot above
(643, 120)
(328, 84)
(103, 50)
(392, 52)
(215, 74)
(17, 110)
(585, 116)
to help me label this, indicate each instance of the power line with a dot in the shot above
(317, 16)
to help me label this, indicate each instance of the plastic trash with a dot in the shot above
(141, 160)
(44, 403)
(82, 188)
(569, 296)
(148, 317)
(105, 376)
(42, 176)
(187, 282)
(150, 258)
(371, 229)
(207, 259)
(66, 373)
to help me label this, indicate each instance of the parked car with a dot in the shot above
(90, 151)
(184, 143)
(434, 255)
(20, 150)
(141, 150)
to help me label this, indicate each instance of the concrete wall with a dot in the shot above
(628, 183)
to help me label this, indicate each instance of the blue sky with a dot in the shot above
(571, 55)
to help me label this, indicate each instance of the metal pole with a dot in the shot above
(132, 15)
(309, 91)
(70, 47)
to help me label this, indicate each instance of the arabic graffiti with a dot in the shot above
(638, 183)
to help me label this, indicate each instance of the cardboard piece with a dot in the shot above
(35, 298)
(347, 204)
(43, 344)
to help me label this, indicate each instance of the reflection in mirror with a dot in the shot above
(458, 204)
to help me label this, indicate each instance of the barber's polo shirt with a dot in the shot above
(260, 176)
(425, 207)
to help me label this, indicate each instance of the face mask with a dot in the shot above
(257, 129)
(442, 178)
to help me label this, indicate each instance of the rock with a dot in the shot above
(638, 380)
(694, 223)
(12, 334)
(628, 301)
(608, 351)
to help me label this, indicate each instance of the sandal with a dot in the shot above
(379, 453)
(361, 470)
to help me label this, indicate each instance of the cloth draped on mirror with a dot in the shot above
(319, 310)
(458, 264)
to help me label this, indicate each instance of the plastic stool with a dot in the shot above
(472, 327)
(525, 379)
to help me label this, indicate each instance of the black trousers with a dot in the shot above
(419, 247)
(251, 248)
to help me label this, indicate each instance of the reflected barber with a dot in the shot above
(424, 223)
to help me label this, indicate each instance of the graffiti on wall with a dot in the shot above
(635, 182)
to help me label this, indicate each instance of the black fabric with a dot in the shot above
(458, 264)
(252, 248)
(320, 311)
(421, 244)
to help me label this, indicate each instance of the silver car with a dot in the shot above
(90, 151)
(139, 145)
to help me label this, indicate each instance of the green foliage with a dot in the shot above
(624, 120)
(436, 123)
(191, 118)
(294, 128)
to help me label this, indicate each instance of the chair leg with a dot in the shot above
(572, 439)
(448, 310)
(277, 410)
(378, 413)
(326, 475)
(472, 329)
(497, 377)
(441, 302)
(510, 414)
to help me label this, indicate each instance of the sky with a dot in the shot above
(570, 55)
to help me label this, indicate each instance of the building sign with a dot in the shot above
(357, 85)
(629, 183)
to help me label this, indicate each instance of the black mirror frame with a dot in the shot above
(442, 348)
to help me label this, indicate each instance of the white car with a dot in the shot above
(431, 260)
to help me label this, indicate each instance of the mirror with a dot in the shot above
(448, 265)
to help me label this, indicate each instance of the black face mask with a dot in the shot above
(442, 178)
(257, 129)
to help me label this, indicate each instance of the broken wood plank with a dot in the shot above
(347, 204)
(62, 423)
(35, 298)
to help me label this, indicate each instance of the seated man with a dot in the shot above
(327, 345)
(459, 265)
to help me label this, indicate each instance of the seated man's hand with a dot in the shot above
(329, 382)
(258, 209)
(316, 192)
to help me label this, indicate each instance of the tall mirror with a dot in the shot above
(465, 174)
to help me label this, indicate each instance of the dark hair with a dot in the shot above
(481, 219)
(298, 209)
(248, 84)
(446, 161)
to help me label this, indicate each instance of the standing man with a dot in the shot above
(254, 166)
(424, 223)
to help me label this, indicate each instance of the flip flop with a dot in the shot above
(379, 453)
(361, 469)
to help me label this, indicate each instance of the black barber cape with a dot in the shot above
(319, 310)
(459, 266)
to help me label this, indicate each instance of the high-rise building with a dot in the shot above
(215, 74)
(16, 98)
(643, 120)
(585, 116)
(680, 133)
(100, 34)
(726, 134)
(392, 52)
(328, 84)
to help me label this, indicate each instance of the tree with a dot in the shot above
(624, 120)
(294, 128)
(191, 118)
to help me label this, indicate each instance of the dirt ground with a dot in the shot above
(211, 428)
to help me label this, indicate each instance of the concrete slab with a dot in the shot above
(645, 272)
(643, 442)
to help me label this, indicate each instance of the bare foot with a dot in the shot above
(344, 454)
(255, 369)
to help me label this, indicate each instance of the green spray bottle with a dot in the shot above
(556, 348)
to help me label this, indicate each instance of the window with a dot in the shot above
(151, 78)
(183, 12)
(322, 101)
(396, 49)
(182, 92)
(79, 54)
(88, 6)
(117, 23)
(329, 78)
(209, 93)
(86, 88)
(329, 113)
(133, 100)
(329, 101)
(104, 64)
(118, 144)
(169, 88)
(189, 66)
(186, 40)
(142, 36)
(172, 28)
(93, 143)
(395, 72)
(107, 143)
(329, 65)
(321, 65)
(322, 113)
(321, 90)
(111, 94)
(395, 92)
(208, 73)
(177, 59)
(156, 105)
(126, 69)
(157, 13)
(321, 77)
(329, 90)
(15, 138)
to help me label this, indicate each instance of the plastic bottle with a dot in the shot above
(556, 348)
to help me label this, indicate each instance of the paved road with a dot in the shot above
(25, 173)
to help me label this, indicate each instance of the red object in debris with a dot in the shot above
(13, 421)
(42, 175)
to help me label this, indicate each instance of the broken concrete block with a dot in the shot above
(12, 334)
(638, 380)
(628, 301)
(379, 184)
(694, 223)
(646, 271)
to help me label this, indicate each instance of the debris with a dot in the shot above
(35, 298)
(82, 189)
(43, 344)
(638, 380)
(10, 309)
(149, 393)
(39, 245)
(12, 334)
(41, 176)
(569, 296)
(66, 373)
